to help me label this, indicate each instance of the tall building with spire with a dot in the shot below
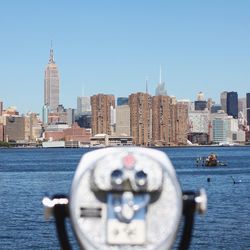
(160, 88)
(51, 84)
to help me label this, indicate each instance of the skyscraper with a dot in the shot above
(223, 101)
(83, 105)
(101, 113)
(220, 130)
(140, 118)
(232, 104)
(51, 84)
(161, 120)
(181, 122)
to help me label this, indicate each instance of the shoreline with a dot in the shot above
(155, 147)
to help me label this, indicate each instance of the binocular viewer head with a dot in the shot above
(126, 171)
(127, 198)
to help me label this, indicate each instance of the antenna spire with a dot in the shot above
(146, 84)
(51, 56)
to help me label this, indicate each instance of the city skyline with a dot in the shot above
(112, 48)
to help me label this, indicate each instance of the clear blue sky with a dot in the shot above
(111, 46)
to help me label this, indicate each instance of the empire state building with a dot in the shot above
(51, 84)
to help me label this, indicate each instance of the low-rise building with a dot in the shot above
(66, 133)
(102, 140)
(76, 133)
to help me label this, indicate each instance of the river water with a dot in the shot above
(26, 175)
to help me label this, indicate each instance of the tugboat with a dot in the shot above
(209, 161)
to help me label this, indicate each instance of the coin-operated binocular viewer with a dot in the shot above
(125, 198)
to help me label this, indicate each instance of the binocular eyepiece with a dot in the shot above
(118, 178)
(126, 198)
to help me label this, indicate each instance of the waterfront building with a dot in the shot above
(161, 120)
(225, 129)
(232, 104)
(102, 140)
(57, 127)
(223, 101)
(173, 121)
(54, 132)
(75, 133)
(123, 120)
(199, 122)
(235, 135)
(33, 127)
(101, 113)
(51, 84)
(140, 118)
(14, 128)
(248, 108)
(220, 128)
(83, 105)
(182, 122)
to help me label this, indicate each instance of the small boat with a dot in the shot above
(209, 161)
